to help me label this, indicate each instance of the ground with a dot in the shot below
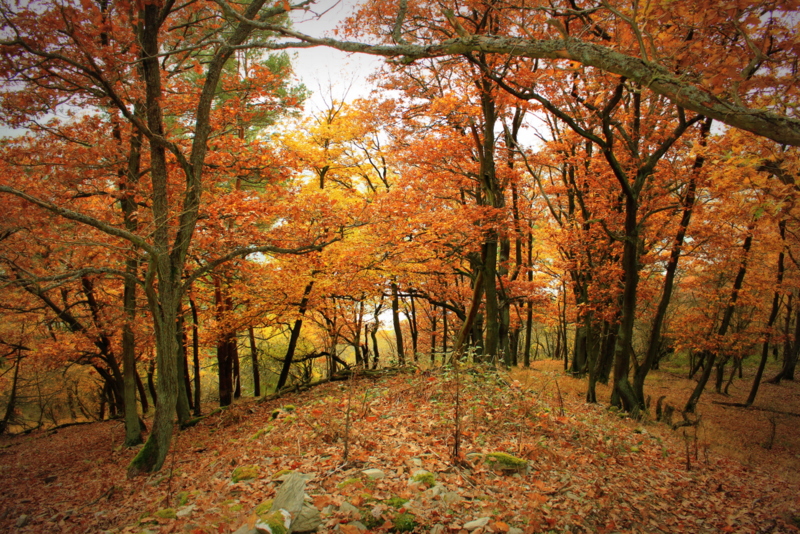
(590, 469)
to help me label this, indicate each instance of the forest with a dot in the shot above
(608, 187)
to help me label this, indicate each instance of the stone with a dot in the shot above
(185, 511)
(244, 473)
(359, 525)
(438, 528)
(22, 520)
(374, 474)
(450, 497)
(348, 508)
(476, 524)
(515, 530)
(308, 520)
(245, 529)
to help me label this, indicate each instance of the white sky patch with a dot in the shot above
(330, 73)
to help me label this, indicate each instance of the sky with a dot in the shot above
(326, 71)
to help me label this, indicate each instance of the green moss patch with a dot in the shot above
(505, 462)
(244, 472)
(404, 523)
(166, 513)
(274, 521)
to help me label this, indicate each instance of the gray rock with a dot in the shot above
(348, 508)
(450, 497)
(291, 494)
(515, 530)
(22, 520)
(438, 528)
(359, 525)
(478, 523)
(185, 511)
(308, 520)
(374, 474)
(244, 529)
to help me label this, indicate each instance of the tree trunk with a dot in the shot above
(254, 359)
(195, 354)
(398, 332)
(773, 314)
(691, 404)
(295, 335)
(12, 396)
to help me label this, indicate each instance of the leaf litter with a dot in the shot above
(588, 468)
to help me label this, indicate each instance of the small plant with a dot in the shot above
(404, 523)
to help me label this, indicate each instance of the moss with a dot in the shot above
(146, 460)
(348, 482)
(263, 508)
(404, 523)
(429, 479)
(262, 432)
(395, 502)
(236, 508)
(244, 472)
(183, 498)
(282, 472)
(290, 407)
(505, 462)
(166, 513)
(274, 521)
(370, 521)
(275, 413)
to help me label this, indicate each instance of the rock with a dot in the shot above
(506, 462)
(451, 497)
(308, 520)
(438, 528)
(435, 491)
(185, 511)
(348, 508)
(374, 474)
(22, 520)
(359, 525)
(244, 529)
(278, 522)
(478, 523)
(515, 530)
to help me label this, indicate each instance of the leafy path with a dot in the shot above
(590, 470)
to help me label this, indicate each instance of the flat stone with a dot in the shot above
(451, 497)
(348, 508)
(22, 520)
(515, 530)
(308, 520)
(244, 529)
(359, 525)
(478, 523)
(185, 511)
(374, 474)
(438, 528)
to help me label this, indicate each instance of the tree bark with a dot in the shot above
(295, 335)
(398, 332)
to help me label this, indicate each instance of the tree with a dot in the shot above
(98, 58)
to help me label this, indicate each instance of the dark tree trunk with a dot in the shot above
(254, 359)
(773, 314)
(295, 335)
(691, 404)
(195, 354)
(398, 332)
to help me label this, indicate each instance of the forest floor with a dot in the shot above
(589, 469)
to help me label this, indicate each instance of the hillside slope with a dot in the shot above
(589, 470)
